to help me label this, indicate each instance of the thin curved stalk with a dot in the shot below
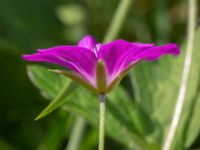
(185, 75)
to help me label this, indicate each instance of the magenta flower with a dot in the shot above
(100, 67)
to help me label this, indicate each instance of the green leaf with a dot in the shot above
(89, 141)
(47, 82)
(157, 85)
(45, 79)
(119, 126)
(4, 145)
(58, 129)
(59, 100)
(126, 121)
(189, 126)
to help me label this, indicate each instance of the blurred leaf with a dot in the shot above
(71, 14)
(189, 127)
(59, 128)
(90, 140)
(5, 146)
(118, 126)
(47, 82)
(46, 79)
(158, 84)
(124, 118)
(59, 100)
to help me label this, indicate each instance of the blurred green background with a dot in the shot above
(26, 25)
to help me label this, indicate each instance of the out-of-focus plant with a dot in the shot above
(148, 115)
(185, 75)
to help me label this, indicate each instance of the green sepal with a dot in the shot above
(75, 77)
(59, 100)
(101, 78)
(119, 78)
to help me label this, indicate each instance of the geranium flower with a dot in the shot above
(100, 67)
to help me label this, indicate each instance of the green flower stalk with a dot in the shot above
(102, 113)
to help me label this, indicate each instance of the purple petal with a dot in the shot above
(115, 52)
(133, 56)
(143, 45)
(111, 53)
(89, 42)
(156, 52)
(77, 59)
(120, 54)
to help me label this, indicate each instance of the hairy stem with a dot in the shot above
(185, 75)
(76, 135)
(111, 34)
(101, 121)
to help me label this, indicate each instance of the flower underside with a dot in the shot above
(100, 67)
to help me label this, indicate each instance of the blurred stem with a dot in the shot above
(185, 75)
(101, 121)
(117, 20)
(77, 133)
(162, 21)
